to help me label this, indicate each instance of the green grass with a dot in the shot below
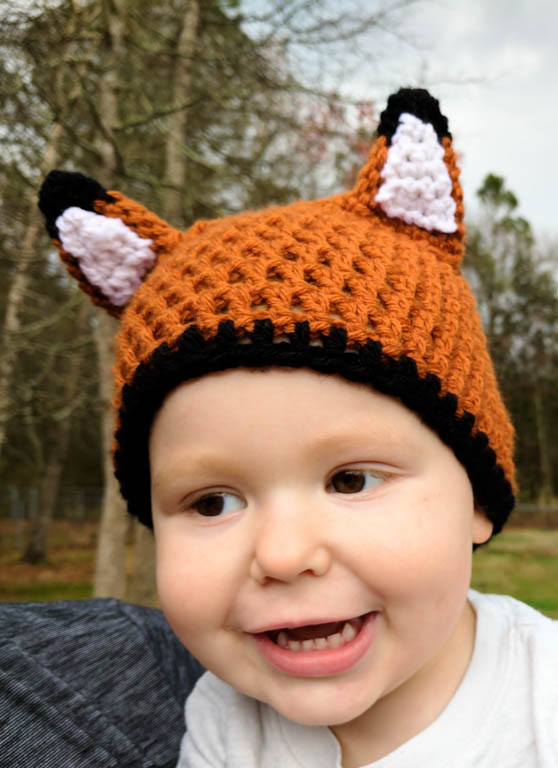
(67, 574)
(522, 563)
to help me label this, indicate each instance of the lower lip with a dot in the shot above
(319, 663)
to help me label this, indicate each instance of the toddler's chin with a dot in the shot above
(319, 712)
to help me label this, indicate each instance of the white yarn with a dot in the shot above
(417, 185)
(111, 255)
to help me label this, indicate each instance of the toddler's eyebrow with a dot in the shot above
(365, 439)
(372, 444)
(192, 464)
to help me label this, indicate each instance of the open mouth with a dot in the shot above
(317, 637)
(318, 650)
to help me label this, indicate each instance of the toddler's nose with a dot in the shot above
(289, 542)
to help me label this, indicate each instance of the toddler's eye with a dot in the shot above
(354, 481)
(216, 504)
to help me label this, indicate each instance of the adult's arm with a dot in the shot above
(90, 683)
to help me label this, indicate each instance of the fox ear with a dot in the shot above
(412, 176)
(416, 185)
(108, 242)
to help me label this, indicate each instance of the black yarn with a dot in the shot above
(63, 189)
(336, 340)
(418, 102)
(193, 357)
(301, 336)
(263, 332)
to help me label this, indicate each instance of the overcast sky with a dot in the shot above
(494, 66)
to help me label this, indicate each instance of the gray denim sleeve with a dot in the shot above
(90, 683)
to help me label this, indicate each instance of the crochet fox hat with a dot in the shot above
(365, 285)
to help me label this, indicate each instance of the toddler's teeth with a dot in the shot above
(348, 632)
(335, 641)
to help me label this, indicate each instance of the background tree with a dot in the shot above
(41, 356)
(517, 293)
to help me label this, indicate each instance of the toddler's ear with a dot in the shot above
(108, 242)
(482, 527)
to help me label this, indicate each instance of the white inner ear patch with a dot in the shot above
(417, 185)
(111, 255)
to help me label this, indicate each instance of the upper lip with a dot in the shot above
(293, 624)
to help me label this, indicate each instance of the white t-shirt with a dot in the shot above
(503, 715)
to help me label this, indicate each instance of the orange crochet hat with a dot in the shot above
(365, 284)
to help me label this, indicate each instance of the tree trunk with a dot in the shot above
(16, 294)
(36, 550)
(110, 573)
(175, 158)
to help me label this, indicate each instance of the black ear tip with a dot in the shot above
(64, 189)
(418, 102)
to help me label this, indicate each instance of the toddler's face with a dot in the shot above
(313, 539)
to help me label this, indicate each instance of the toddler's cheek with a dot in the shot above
(177, 594)
(185, 622)
(170, 595)
(190, 605)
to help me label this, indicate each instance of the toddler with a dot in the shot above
(308, 418)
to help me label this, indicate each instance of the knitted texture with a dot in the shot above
(110, 254)
(365, 284)
(417, 186)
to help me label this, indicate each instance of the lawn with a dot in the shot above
(522, 562)
(519, 562)
(67, 575)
